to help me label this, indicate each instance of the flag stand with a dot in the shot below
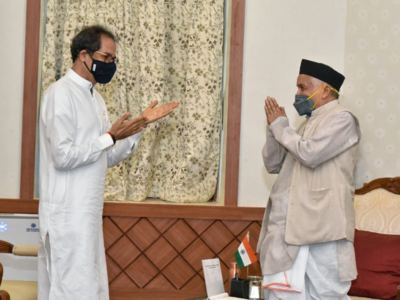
(245, 255)
(248, 237)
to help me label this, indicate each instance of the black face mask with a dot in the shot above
(102, 72)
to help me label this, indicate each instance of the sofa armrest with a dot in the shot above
(4, 295)
(25, 250)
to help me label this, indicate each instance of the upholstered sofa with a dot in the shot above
(377, 208)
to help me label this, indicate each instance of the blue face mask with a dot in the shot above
(102, 72)
(304, 105)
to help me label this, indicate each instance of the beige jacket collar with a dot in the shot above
(325, 108)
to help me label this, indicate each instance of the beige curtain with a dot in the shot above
(169, 50)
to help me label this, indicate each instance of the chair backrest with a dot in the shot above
(377, 206)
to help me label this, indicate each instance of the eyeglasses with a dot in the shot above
(108, 57)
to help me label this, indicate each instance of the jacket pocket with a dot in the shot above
(325, 206)
(316, 217)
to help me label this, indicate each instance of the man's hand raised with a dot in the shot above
(153, 113)
(122, 128)
(273, 110)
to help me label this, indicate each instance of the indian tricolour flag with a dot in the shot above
(244, 254)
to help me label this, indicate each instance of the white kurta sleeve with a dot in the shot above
(337, 135)
(123, 149)
(59, 120)
(273, 154)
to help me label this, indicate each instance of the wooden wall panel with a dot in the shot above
(127, 213)
(234, 102)
(27, 177)
(164, 254)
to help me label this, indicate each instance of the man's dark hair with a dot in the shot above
(89, 39)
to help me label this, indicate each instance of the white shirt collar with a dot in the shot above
(79, 80)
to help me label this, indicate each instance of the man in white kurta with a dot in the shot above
(302, 254)
(77, 145)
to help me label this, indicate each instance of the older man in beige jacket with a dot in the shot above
(306, 241)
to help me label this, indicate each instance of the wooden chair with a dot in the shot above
(374, 211)
(4, 295)
(15, 289)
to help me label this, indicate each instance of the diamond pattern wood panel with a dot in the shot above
(161, 253)
(123, 282)
(179, 271)
(160, 283)
(180, 235)
(123, 252)
(165, 253)
(141, 271)
(125, 223)
(196, 284)
(113, 269)
(143, 234)
(217, 236)
(196, 252)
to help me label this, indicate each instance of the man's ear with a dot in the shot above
(326, 92)
(82, 55)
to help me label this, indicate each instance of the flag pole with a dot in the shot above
(248, 238)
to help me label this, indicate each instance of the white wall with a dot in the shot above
(278, 34)
(372, 86)
(12, 51)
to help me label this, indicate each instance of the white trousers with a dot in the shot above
(314, 275)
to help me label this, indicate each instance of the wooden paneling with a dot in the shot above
(154, 258)
(195, 252)
(234, 102)
(111, 232)
(236, 226)
(127, 214)
(161, 253)
(126, 294)
(120, 283)
(21, 206)
(183, 211)
(180, 235)
(217, 236)
(30, 99)
(124, 252)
